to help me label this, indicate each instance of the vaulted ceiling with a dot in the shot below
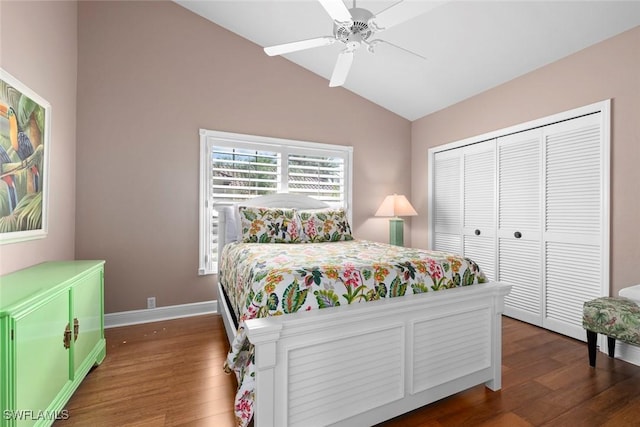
(468, 46)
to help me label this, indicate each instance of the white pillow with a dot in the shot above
(232, 223)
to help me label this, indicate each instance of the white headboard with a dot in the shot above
(227, 215)
(285, 200)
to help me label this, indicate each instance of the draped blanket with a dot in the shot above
(273, 279)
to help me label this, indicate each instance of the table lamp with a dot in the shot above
(396, 206)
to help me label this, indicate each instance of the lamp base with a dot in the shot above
(396, 231)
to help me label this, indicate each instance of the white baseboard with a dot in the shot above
(134, 317)
(628, 353)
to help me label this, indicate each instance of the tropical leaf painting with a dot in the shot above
(24, 141)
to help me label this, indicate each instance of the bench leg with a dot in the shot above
(611, 344)
(592, 339)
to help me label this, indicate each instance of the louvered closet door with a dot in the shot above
(479, 205)
(519, 223)
(573, 222)
(447, 175)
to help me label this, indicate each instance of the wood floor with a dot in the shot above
(170, 374)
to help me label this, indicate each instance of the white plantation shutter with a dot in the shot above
(520, 265)
(317, 176)
(566, 293)
(447, 214)
(464, 211)
(238, 173)
(519, 181)
(573, 177)
(520, 258)
(236, 167)
(479, 200)
(573, 188)
(480, 186)
(447, 243)
(481, 249)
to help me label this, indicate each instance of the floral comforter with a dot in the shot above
(273, 279)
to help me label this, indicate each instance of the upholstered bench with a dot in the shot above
(616, 317)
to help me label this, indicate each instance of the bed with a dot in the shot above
(349, 363)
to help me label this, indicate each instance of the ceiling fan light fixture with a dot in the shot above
(354, 42)
(359, 26)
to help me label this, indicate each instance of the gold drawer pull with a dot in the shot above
(66, 341)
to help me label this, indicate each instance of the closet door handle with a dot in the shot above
(517, 234)
(477, 232)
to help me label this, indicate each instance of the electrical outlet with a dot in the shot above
(151, 302)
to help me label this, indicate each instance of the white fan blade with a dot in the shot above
(341, 70)
(401, 12)
(299, 45)
(337, 10)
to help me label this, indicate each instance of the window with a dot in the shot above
(235, 167)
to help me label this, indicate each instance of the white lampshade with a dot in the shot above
(396, 205)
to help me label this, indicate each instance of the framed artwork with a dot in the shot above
(25, 123)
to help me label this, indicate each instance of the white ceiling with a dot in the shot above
(470, 46)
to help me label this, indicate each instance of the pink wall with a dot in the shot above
(610, 69)
(150, 74)
(43, 56)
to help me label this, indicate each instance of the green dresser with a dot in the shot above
(51, 334)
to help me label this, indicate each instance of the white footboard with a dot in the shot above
(365, 363)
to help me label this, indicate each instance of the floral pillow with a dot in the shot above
(324, 225)
(269, 225)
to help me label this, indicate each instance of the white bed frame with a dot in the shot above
(362, 364)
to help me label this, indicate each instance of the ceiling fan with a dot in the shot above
(354, 28)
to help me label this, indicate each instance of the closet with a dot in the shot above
(530, 204)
